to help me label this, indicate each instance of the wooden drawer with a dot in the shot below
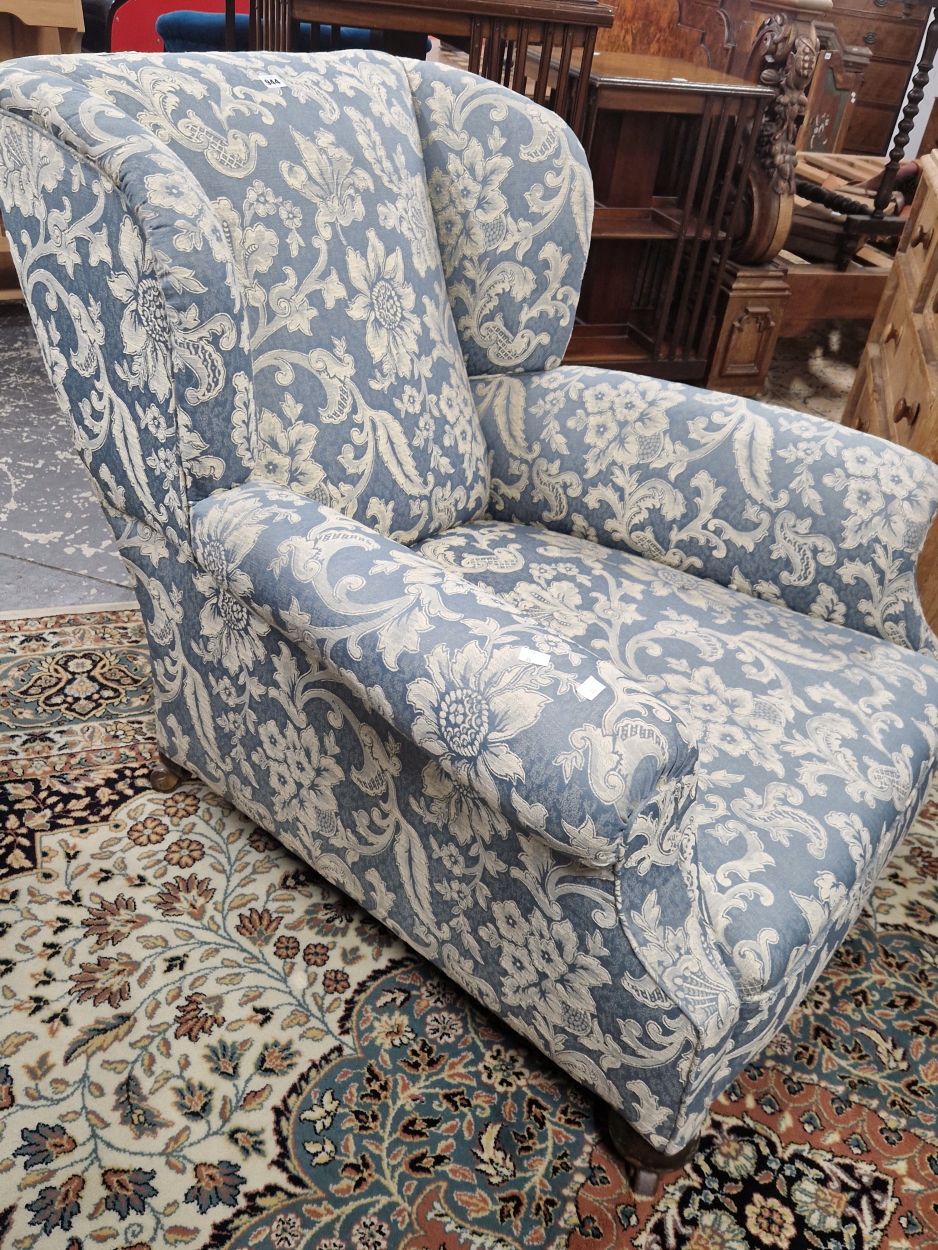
(874, 8)
(894, 41)
(919, 245)
(910, 380)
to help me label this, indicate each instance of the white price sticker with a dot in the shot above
(533, 657)
(590, 688)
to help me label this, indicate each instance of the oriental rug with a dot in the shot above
(203, 1044)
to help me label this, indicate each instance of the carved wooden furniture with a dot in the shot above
(497, 34)
(832, 97)
(895, 394)
(893, 32)
(669, 145)
(719, 33)
(820, 291)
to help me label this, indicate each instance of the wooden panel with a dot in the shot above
(910, 381)
(884, 82)
(898, 374)
(866, 404)
(9, 283)
(751, 311)
(897, 41)
(820, 292)
(918, 248)
(46, 12)
(930, 137)
(653, 27)
(871, 128)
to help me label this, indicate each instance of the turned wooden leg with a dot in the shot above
(166, 774)
(646, 1165)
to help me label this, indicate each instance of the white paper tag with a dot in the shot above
(590, 688)
(271, 80)
(533, 657)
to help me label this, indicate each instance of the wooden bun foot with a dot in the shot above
(646, 1166)
(166, 774)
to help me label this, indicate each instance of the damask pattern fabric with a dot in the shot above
(630, 810)
(812, 740)
(790, 508)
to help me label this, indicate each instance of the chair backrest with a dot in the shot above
(386, 224)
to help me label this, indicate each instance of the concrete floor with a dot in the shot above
(56, 548)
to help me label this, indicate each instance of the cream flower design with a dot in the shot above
(625, 424)
(329, 180)
(303, 775)
(253, 248)
(470, 208)
(171, 191)
(453, 806)
(385, 304)
(545, 970)
(285, 452)
(233, 634)
(144, 326)
(469, 709)
(726, 719)
(559, 605)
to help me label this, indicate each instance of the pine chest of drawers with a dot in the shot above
(895, 394)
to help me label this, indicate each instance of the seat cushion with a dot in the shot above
(315, 168)
(815, 741)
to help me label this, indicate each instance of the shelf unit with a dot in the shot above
(670, 146)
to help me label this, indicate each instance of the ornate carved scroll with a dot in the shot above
(788, 51)
(783, 57)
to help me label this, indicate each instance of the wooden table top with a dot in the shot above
(587, 12)
(627, 69)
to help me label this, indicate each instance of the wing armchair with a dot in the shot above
(611, 696)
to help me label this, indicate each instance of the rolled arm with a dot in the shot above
(779, 504)
(541, 731)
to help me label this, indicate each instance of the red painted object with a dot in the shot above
(133, 23)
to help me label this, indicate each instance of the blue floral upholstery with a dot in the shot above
(611, 696)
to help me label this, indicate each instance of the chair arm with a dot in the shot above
(132, 287)
(515, 717)
(775, 503)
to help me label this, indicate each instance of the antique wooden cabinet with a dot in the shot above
(893, 35)
(669, 145)
(895, 394)
(719, 34)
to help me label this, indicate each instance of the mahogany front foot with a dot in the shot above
(166, 774)
(646, 1166)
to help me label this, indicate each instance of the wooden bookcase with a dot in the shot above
(670, 145)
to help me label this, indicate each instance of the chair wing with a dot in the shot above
(512, 198)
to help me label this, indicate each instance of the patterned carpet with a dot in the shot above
(202, 1044)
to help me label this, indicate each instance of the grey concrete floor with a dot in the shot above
(56, 548)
